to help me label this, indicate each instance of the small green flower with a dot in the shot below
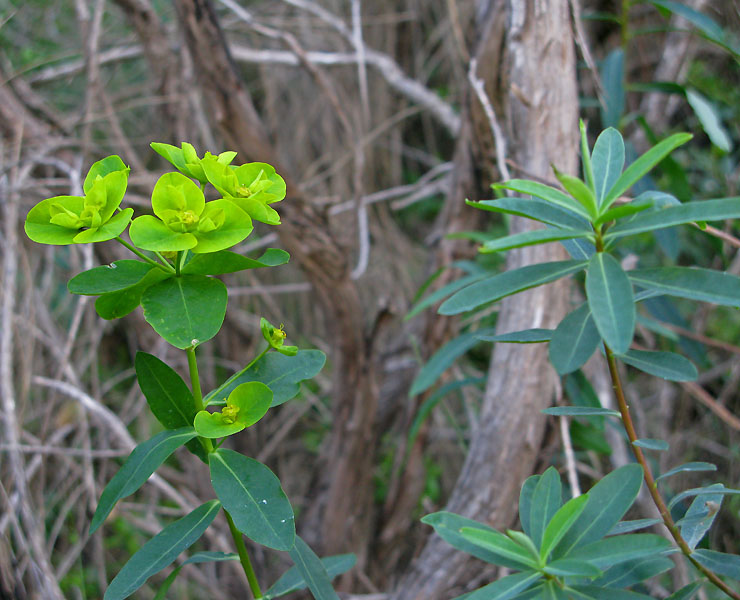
(64, 220)
(246, 405)
(185, 221)
(275, 336)
(253, 187)
(186, 159)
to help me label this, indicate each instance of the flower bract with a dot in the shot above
(246, 405)
(186, 160)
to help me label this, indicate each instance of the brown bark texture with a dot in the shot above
(540, 101)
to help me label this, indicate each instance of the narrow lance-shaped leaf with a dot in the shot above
(545, 192)
(621, 548)
(506, 588)
(608, 501)
(141, 463)
(611, 301)
(504, 284)
(719, 562)
(689, 466)
(313, 571)
(699, 517)
(546, 501)
(292, 580)
(574, 341)
(526, 336)
(667, 365)
(580, 411)
(532, 238)
(560, 523)
(608, 160)
(671, 215)
(535, 209)
(705, 285)
(498, 543)
(161, 550)
(642, 165)
(586, 159)
(198, 558)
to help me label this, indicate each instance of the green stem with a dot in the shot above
(244, 557)
(652, 485)
(197, 392)
(163, 265)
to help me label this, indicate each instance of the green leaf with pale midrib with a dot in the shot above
(136, 470)
(574, 341)
(667, 365)
(719, 562)
(611, 301)
(532, 238)
(643, 164)
(253, 496)
(507, 283)
(533, 208)
(545, 192)
(705, 285)
(526, 336)
(672, 215)
(580, 411)
(292, 580)
(313, 571)
(607, 160)
(225, 261)
(161, 550)
(689, 466)
(186, 310)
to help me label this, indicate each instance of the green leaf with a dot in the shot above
(623, 210)
(526, 336)
(110, 164)
(251, 493)
(166, 393)
(533, 208)
(651, 444)
(608, 161)
(168, 396)
(547, 499)
(568, 567)
(545, 192)
(634, 571)
(138, 467)
(612, 78)
(246, 405)
(161, 551)
(292, 580)
(608, 501)
(687, 592)
(670, 215)
(586, 160)
(561, 522)
(705, 285)
(186, 311)
(119, 275)
(150, 233)
(443, 358)
(710, 120)
(282, 374)
(448, 526)
(700, 516)
(709, 490)
(225, 261)
(498, 543)
(525, 502)
(114, 305)
(604, 593)
(312, 571)
(197, 558)
(719, 562)
(621, 548)
(642, 165)
(579, 190)
(506, 587)
(611, 301)
(630, 526)
(667, 365)
(507, 283)
(532, 238)
(709, 28)
(580, 411)
(688, 467)
(574, 341)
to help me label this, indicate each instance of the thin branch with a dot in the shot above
(707, 400)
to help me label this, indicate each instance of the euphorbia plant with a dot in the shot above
(579, 549)
(180, 251)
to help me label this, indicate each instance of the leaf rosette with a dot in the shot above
(185, 221)
(185, 159)
(246, 405)
(252, 187)
(65, 220)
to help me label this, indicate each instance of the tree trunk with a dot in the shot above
(540, 105)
